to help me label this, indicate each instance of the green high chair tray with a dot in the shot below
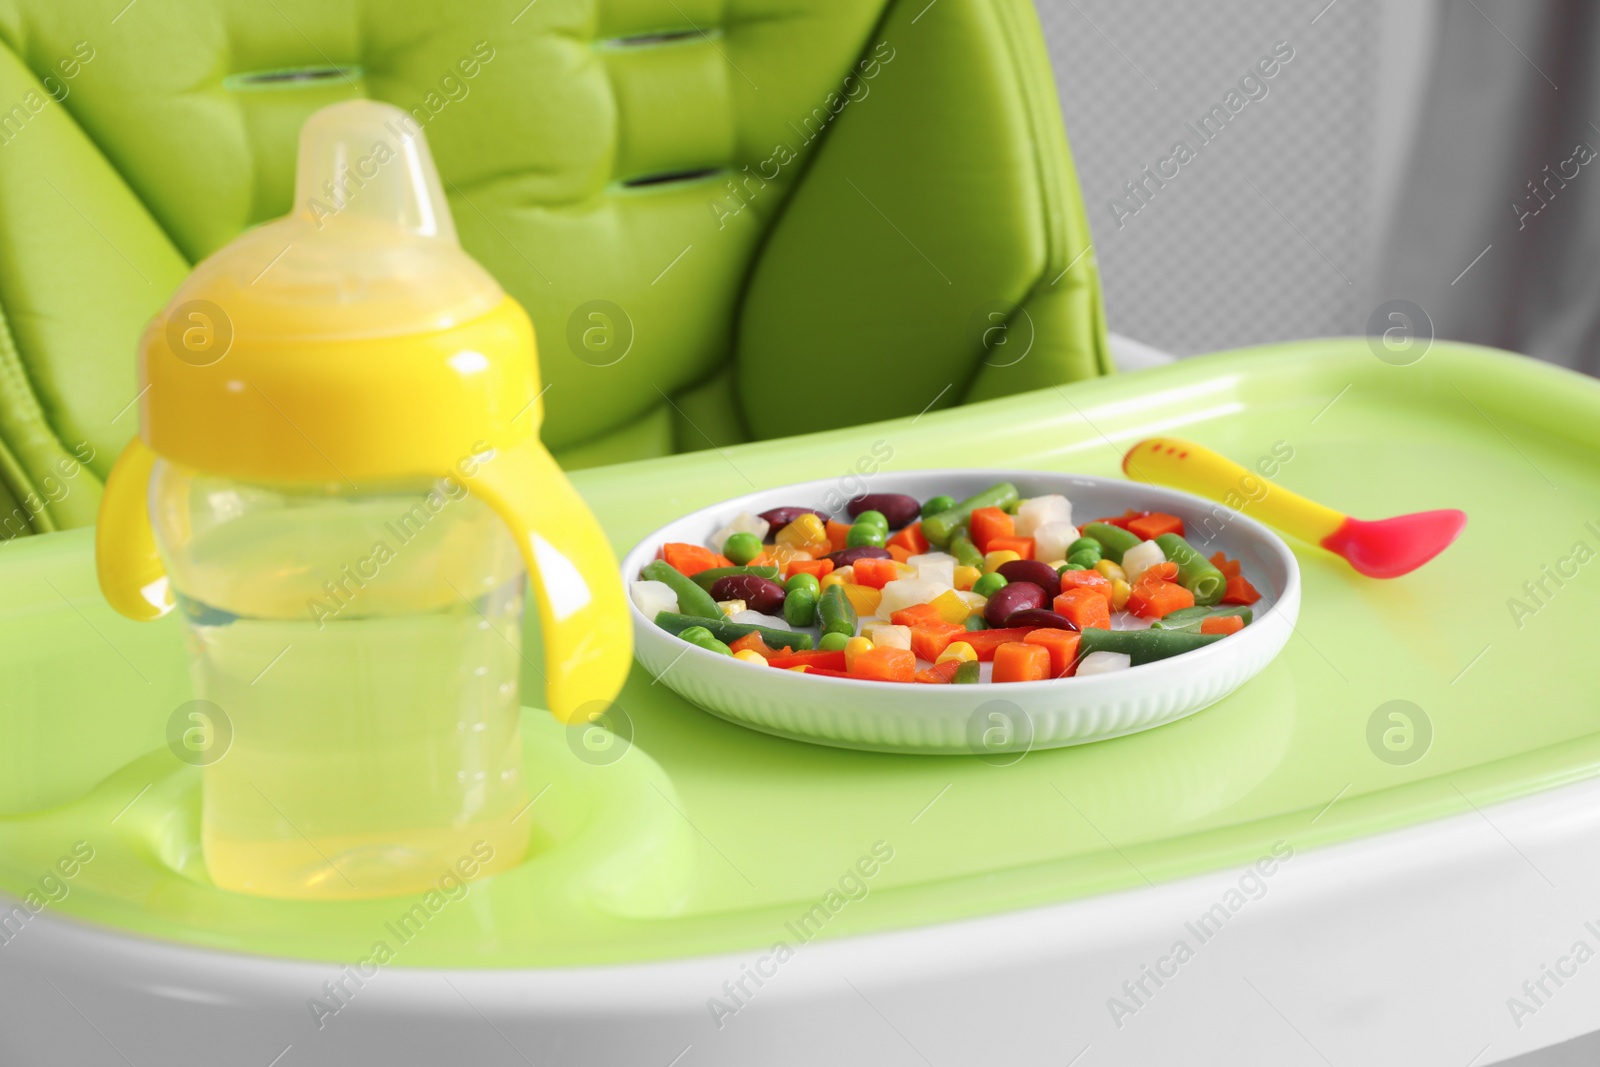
(727, 834)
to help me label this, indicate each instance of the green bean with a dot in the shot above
(1143, 646)
(725, 630)
(975, 622)
(1189, 620)
(938, 528)
(708, 577)
(966, 674)
(1114, 540)
(965, 552)
(936, 505)
(692, 600)
(835, 613)
(800, 607)
(701, 637)
(1195, 573)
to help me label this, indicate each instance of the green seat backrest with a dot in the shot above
(729, 219)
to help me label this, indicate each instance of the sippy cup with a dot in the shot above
(338, 482)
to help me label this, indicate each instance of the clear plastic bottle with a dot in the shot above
(339, 481)
(365, 649)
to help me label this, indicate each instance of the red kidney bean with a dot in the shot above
(1031, 570)
(1043, 618)
(1020, 596)
(850, 555)
(778, 518)
(758, 593)
(899, 509)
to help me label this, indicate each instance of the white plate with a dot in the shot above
(996, 722)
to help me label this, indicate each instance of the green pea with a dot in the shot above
(833, 642)
(989, 584)
(1082, 544)
(967, 673)
(975, 622)
(701, 637)
(874, 518)
(1085, 560)
(741, 548)
(1071, 567)
(802, 580)
(800, 606)
(938, 504)
(863, 535)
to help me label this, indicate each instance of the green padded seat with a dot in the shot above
(729, 219)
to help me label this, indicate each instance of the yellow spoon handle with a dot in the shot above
(583, 611)
(1196, 469)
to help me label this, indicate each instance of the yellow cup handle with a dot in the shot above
(126, 562)
(588, 639)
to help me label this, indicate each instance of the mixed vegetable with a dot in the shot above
(991, 588)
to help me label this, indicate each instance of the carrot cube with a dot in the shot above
(1221, 624)
(1062, 646)
(817, 568)
(989, 523)
(1239, 591)
(689, 560)
(838, 534)
(929, 638)
(1085, 607)
(1018, 661)
(885, 665)
(1086, 580)
(1022, 546)
(898, 553)
(910, 539)
(1158, 599)
(916, 615)
(1155, 524)
(876, 573)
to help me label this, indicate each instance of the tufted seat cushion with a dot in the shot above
(729, 219)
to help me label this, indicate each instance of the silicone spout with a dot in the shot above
(366, 161)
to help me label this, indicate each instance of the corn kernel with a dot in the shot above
(853, 648)
(730, 608)
(995, 560)
(750, 655)
(863, 598)
(800, 669)
(905, 570)
(1120, 591)
(1111, 570)
(807, 534)
(841, 576)
(959, 651)
(951, 607)
(966, 576)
